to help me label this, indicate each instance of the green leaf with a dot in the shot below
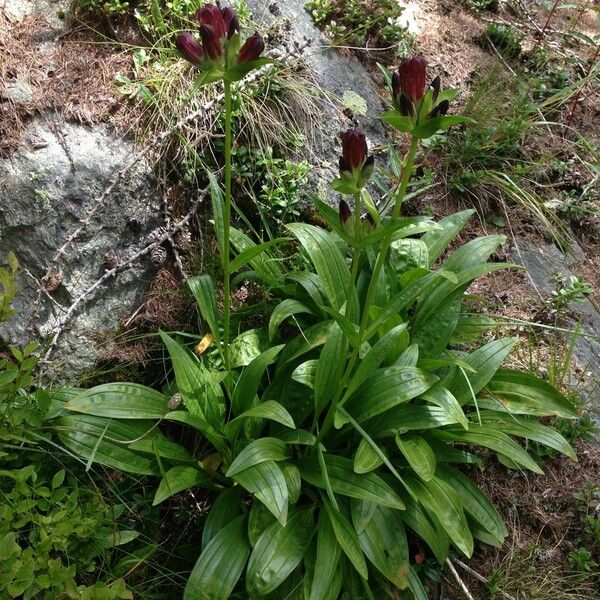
(218, 202)
(306, 372)
(366, 458)
(409, 417)
(256, 452)
(298, 437)
(407, 253)
(522, 393)
(346, 482)
(347, 538)
(427, 528)
(266, 481)
(240, 70)
(258, 520)
(438, 240)
(374, 358)
(120, 401)
(326, 561)
(433, 125)
(267, 268)
(226, 507)
(529, 429)
(386, 389)
(418, 453)
(383, 540)
(250, 379)
(278, 551)
(327, 259)
(285, 309)
(397, 121)
(475, 503)
(198, 423)
(442, 397)
(441, 500)
(180, 478)
(485, 361)
(220, 565)
(489, 437)
(201, 395)
(81, 435)
(270, 409)
(473, 253)
(329, 368)
(250, 253)
(203, 289)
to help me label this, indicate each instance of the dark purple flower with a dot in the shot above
(345, 212)
(211, 15)
(210, 42)
(188, 46)
(354, 150)
(435, 86)
(251, 49)
(411, 79)
(230, 20)
(440, 110)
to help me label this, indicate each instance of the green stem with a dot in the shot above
(381, 258)
(357, 251)
(227, 219)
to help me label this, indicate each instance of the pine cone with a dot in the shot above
(158, 256)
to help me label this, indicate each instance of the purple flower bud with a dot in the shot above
(435, 86)
(406, 106)
(210, 42)
(354, 150)
(188, 46)
(251, 49)
(230, 19)
(211, 15)
(368, 224)
(440, 110)
(345, 212)
(412, 74)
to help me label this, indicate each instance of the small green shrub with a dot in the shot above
(507, 39)
(8, 287)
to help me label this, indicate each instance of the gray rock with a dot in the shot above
(46, 188)
(541, 264)
(334, 74)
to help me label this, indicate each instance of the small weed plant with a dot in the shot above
(336, 439)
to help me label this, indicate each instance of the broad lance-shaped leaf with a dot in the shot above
(201, 395)
(347, 538)
(203, 289)
(419, 455)
(226, 507)
(386, 389)
(258, 451)
(329, 368)
(383, 541)
(490, 437)
(528, 429)
(250, 379)
(120, 401)
(366, 458)
(485, 361)
(266, 481)
(266, 268)
(269, 409)
(408, 417)
(441, 397)
(180, 478)
(220, 565)
(346, 482)
(108, 442)
(449, 227)
(278, 551)
(327, 259)
(285, 309)
(523, 393)
(427, 527)
(440, 499)
(326, 561)
(475, 503)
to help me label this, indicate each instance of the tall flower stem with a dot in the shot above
(357, 251)
(366, 308)
(227, 225)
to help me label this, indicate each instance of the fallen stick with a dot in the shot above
(480, 577)
(460, 582)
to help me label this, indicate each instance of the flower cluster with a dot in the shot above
(219, 48)
(356, 166)
(409, 83)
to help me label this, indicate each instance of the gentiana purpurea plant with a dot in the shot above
(338, 439)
